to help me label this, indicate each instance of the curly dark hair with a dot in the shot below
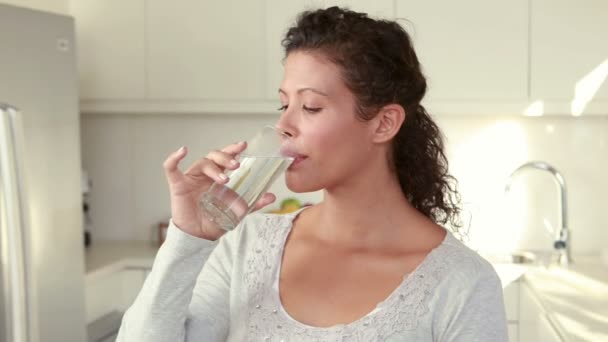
(379, 65)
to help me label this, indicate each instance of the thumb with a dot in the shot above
(266, 199)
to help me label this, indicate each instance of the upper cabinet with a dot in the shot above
(480, 57)
(206, 50)
(569, 56)
(470, 49)
(280, 15)
(110, 48)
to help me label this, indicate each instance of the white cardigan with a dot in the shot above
(203, 291)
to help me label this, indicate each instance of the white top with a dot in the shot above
(227, 290)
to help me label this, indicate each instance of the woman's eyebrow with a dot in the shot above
(316, 91)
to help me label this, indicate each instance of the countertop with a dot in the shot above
(509, 273)
(576, 298)
(105, 257)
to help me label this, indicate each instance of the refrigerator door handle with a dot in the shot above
(13, 226)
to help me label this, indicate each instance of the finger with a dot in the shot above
(209, 169)
(171, 164)
(223, 159)
(266, 199)
(236, 148)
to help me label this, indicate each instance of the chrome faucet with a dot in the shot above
(562, 241)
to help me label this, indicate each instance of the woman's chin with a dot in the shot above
(299, 185)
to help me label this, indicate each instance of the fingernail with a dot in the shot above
(181, 149)
(233, 162)
(222, 176)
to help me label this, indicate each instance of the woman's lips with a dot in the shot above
(297, 157)
(296, 162)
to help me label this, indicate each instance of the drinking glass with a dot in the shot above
(260, 165)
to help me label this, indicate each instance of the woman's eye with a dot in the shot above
(282, 108)
(311, 109)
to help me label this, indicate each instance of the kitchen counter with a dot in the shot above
(575, 298)
(106, 257)
(509, 273)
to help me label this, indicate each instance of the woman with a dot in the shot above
(368, 263)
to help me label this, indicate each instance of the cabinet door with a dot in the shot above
(102, 296)
(513, 329)
(111, 49)
(471, 49)
(280, 15)
(132, 281)
(547, 332)
(511, 298)
(569, 57)
(206, 50)
(534, 324)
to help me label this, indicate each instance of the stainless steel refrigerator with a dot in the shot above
(41, 236)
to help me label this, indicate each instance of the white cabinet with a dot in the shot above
(110, 48)
(547, 331)
(480, 57)
(205, 50)
(513, 330)
(132, 281)
(472, 49)
(534, 324)
(526, 318)
(511, 299)
(103, 295)
(569, 56)
(113, 292)
(280, 15)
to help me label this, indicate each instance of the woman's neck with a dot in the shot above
(369, 212)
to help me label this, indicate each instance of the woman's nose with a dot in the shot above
(286, 124)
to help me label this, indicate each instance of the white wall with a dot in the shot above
(123, 155)
(55, 6)
(483, 151)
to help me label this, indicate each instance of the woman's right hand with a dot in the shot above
(186, 188)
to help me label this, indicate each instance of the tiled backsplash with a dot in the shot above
(123, 155)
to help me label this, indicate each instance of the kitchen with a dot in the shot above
(509, 82)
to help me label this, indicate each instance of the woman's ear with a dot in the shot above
(388, 122)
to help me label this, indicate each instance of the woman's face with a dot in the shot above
(318, 111)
